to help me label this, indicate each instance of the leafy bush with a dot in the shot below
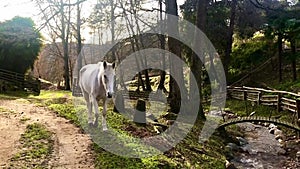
(247, 55)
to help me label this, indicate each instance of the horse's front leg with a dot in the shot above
(96, 108)
(104, 126)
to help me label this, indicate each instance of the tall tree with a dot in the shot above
(196, 65)
(278, 14)
(176, 69)
(162, 40)
(228, 49)
(57, 15)
(112, 26)
(78, 36)
(20, 44)
(292, 35)
(65, 34)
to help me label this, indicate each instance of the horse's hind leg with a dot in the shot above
(89, 106)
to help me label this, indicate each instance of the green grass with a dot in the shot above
(185, 155)
(243, 108)
(12, 95)
(36, 148)
(189, 153)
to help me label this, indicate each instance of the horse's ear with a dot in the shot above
(113, 65)
(104, 64)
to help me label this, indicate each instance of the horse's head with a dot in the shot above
(108, 77)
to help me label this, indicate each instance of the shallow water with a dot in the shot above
(263, 151)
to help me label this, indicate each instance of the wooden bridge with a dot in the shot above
(19, 81)
(260, 119)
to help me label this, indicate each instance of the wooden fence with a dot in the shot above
(282, 100)
(20, 81)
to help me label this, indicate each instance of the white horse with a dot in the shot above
(97, 82)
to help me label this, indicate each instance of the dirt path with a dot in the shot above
(72, 148)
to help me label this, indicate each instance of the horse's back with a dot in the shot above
(88, 76)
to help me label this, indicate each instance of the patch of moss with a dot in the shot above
(36, 147)
(67, 111)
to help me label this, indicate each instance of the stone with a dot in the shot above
(229, 165)
(278, 134)
(272, 130)
(280, 141)
(266, 124)
(272, 126)
(242, 141)
(232, 147)
(281, 152)
(298, 156)
(279, 137)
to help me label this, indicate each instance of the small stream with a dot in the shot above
(260, 150)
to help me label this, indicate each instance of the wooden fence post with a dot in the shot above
(259, 98)
(140, 113)
(298, 115)
(245, 95)
(228, 94)
(245, 100)
(279, 102)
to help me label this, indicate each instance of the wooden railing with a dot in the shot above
(21, 81)
(282, 100)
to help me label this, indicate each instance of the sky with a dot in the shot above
(26, 8)
(23, 8)
(12, 8)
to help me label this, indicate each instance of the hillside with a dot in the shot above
(265, 75)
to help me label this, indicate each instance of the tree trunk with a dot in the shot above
(279, 43)
(196, 65)
(176, 69)
(228, 49)
(132, 41)
(65, 38)
(112, 29)
(294, 59)
(139, 43)
(161, 85)
(79, 44)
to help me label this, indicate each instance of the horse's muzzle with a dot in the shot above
(109, 95)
